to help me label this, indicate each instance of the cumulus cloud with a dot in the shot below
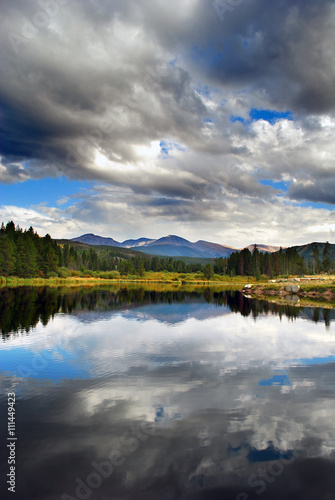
(139, 97)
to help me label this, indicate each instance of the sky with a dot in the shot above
(210, 120)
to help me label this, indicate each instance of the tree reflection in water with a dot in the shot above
(23, 308)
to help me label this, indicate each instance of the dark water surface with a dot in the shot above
(142, 394)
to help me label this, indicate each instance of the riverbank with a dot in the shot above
(148, 278)
(307, 291)
(295, 290)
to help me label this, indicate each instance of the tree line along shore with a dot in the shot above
(27, 258)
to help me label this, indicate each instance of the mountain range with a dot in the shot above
(171, 245)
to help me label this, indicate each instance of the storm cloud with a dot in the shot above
(153, 101)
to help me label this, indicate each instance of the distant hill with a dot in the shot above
(173, 251)
(306, 251)
(136, 243)
(171, 246)
(214, 249)
(92, 239)
(264, 248)
(172, 240)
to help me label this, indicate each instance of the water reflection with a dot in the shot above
(23, 308)
(135, 394)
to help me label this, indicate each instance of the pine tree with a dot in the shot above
(49, 256)
(276, 264)
(7, 256)
(140, 267)
(208, 271)
(255, 261)
(316, 259)
(326, 262)
(66, 255)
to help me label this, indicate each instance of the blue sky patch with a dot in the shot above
(315, 361)
(166, 147)
(271, 116)
(315, 204)
(275, 184)
(280, 380)
(234, 119)
(25, 363)
(35, 192)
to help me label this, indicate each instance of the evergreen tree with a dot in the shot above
(270, 270)
(10, 229)
(7, 256)
(316, 260)
(170, 265)
(140, 267)
(208, 271)
(50, 261)
(326, 262)
(241, 264)
(66, 255)
(276, 264)
(255, 261)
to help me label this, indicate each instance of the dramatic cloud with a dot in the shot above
(157, 103)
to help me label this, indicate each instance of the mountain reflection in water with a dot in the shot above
(133, 393)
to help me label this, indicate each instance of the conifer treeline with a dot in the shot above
(25, 254)
(288, 261)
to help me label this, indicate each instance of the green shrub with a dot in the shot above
(64, 272)
(88, 273)
(108, 275)
(114, 275)
(52, 274)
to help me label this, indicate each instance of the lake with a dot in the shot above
(144, 393)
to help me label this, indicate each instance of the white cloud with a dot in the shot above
(92, 96)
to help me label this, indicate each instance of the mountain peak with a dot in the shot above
(171, 245)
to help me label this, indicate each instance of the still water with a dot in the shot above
(141, 394)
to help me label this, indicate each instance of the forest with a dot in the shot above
(283, 262)
(25, 254)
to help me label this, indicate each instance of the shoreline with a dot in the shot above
(294, 291)
(309, 291)
(79, 281)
